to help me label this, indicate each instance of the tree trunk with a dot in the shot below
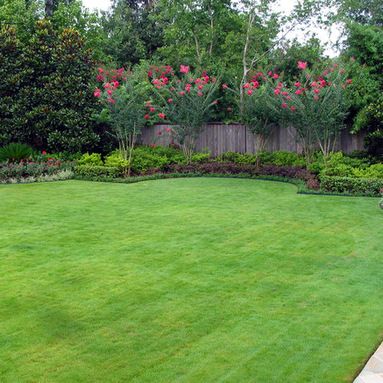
(49, 7)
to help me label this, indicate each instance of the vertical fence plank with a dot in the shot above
(219, 138)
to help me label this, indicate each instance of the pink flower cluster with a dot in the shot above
(152, 110)
(111, 81)
(310, 87)
(164, 77)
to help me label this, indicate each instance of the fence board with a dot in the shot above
(219, 138)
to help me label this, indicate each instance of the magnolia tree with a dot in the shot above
(316, 105)
(184, 100)
(124, 97)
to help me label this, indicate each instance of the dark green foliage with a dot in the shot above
(52, 102)
(11, 74)
(133, 33)
(285, 58)
(370, 119)
(365, 44)
(15, 152)
(349, 185)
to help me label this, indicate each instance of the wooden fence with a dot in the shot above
(218, 138)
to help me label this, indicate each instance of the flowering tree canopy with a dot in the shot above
(260, 107)
(316, 105)
(124, 95)
(185, 100)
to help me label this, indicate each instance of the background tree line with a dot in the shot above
(221, 36)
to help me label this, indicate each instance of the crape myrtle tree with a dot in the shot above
(124, 96)
(361, 22)
(185, 100)
(316, 105)
(259, 108)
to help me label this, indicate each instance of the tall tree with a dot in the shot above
(133, 32)
(51, 6)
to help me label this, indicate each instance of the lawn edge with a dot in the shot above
(300, 184)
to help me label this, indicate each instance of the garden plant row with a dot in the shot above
(338, 173)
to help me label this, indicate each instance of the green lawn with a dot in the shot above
(187, 280)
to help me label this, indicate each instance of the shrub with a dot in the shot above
(90, 159)
(15, 152)
(279, 158)
(233, 168)
(338, 158)
(143, 161)
(287, 159)
(23, 170)
(373, 171)
(147, 158)
(232, 157)
(97, 171)
(339, 165)
(115, 159)
(340, 170)
(46, 99)
(200, 157)
(348, 185)
(173, 155)
(59, 176)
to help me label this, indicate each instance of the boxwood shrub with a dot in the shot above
(97, 171)
(349, 185)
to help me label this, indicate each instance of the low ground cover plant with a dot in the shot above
(28, 171)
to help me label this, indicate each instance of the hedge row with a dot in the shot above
(225, 168)
(348, 185)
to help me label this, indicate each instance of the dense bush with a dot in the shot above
(97, 171)
(348, 185)
(340, 165)
(93, 159)
(144, 158)
(45, 98)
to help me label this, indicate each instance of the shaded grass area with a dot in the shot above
(187, 280)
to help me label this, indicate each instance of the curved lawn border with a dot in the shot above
(300, 184)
